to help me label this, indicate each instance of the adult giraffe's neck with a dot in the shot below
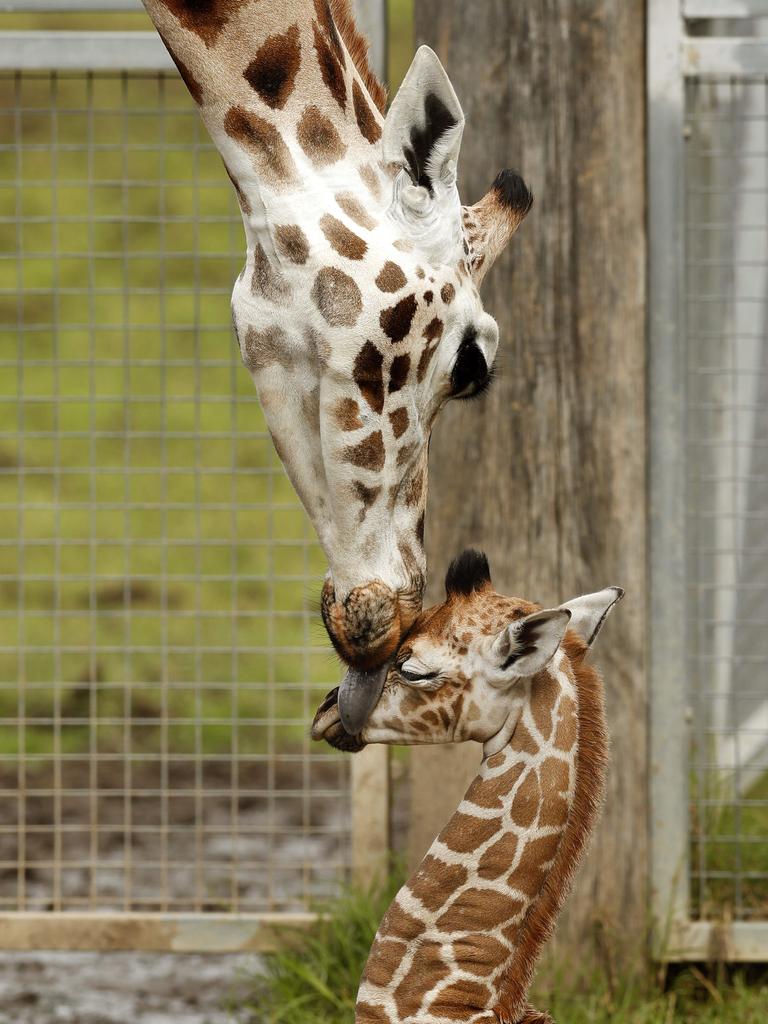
(462, 937)
(284, 88)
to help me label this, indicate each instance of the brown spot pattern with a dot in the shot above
(292, 243)
(398, 374)
(347, 413)
(480, 954)
(355, 210)
(385, 957)
(544, 696)
(367, 1014)
(410, 993)
(331, 68)
(465, 832)
(434, 880)
(368, 454)
(372, 182)
(344, 241)
(337, 297)
(490, 792)
(318, 138)
(460, 1000)
(206, 18)
(270, 155)
(369, 127)
(398, 923)
(368, 376)
(479, 910)
(447, 294)
(272, 72)
(400, 422)
(242, 199)
(498, 858)
(263, 348)
(266, 280)
(396, 321)
(527, 800)
(391, 278)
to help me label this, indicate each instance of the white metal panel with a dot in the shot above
(667, 605)
(725, 8)
(699, 941)
(725, 56)
(83, 51)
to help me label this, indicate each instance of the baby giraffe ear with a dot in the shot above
(589, 612)
(424, 125)
(525, 646)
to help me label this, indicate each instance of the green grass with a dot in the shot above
(314, 980)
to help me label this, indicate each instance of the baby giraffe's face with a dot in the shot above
(459, 673)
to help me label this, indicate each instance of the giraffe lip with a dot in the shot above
(358, 695)
(327, 726)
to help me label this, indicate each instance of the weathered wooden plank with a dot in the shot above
(370, 814)
(552, 460)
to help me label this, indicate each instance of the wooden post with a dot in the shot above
(552, 481)
(370, 815)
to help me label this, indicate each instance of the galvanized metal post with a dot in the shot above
(667, 591)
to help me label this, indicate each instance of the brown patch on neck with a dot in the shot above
(271, 157)
(206, 18)
(272, 72)
(345, 242)
(369, 127)
(319, 138)
(591, 767)
(292, 243)
(355, 210)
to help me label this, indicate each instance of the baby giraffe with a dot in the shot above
(462, 937)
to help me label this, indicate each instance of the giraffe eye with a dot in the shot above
(415, 671)
(470, 375)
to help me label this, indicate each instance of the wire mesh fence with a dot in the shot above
(726, 217)
(159, 653)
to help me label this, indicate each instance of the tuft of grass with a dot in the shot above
(315, 977)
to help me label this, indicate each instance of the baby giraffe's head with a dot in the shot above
(457, 674)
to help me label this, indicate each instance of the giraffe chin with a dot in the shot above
(327, 726)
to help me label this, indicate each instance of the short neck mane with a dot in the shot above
(462, 937)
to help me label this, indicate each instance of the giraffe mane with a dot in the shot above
(358, 47)
(591, 771)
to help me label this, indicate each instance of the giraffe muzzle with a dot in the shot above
(368, 624)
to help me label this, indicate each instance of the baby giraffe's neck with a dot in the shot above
(461, 939)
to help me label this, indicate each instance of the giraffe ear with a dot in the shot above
(589, 612)
(424, 125)
(527, 645)
(490, 224)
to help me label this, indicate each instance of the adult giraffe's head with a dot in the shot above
(358, 312)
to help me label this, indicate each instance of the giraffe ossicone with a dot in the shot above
(461, 940)
(358, 312)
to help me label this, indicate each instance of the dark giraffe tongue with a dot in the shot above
(358, 695)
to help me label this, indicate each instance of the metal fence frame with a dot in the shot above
(673, 56)
(180, 932)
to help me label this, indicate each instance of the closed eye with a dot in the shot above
(417, 677)
(470, 376)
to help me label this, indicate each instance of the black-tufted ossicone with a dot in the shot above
(467, 573)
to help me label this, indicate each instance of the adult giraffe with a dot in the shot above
(358, 312)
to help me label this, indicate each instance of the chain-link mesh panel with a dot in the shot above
(727, 438)
(160, 655)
